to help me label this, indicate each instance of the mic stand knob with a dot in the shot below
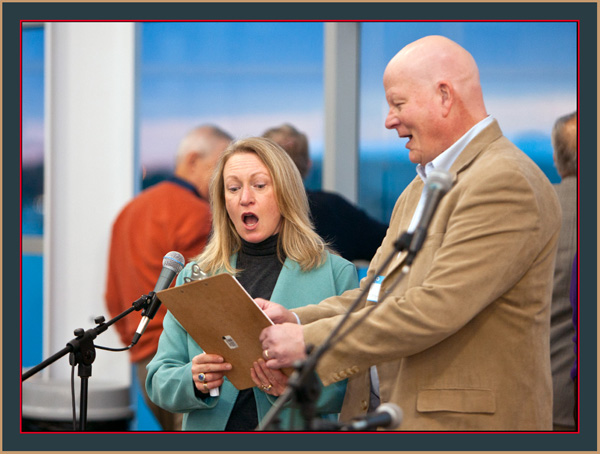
(142, 302)
(403, 242)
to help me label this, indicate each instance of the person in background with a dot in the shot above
(171, 215)
(348, 229)
(564, 142)
(461, 342)
(262, 235)
(574, 298)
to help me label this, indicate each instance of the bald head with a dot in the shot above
(437, 58)
(198, 153)
(442, 77)
(564, 142)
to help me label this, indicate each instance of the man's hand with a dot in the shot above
(276, 312)
(283, 345)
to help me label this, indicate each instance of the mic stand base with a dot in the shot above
(82, 352)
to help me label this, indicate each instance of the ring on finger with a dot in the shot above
(202, 377)
(205, 386)
(266, 388)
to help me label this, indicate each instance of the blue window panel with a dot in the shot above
(533, 68)
(32, 306)
(144, 419)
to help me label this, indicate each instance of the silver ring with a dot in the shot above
(202, 377)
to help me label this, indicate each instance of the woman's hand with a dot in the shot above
(208, 371)
(270, 381)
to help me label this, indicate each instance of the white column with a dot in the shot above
(89, 174)
(340, 159)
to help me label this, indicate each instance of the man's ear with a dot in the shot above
(446, 93)
(192, 159)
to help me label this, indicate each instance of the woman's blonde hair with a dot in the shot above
(297, 238)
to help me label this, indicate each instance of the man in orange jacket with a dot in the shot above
(171, 215)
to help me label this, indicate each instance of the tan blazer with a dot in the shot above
(462, 343)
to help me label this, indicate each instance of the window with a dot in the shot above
(242, 76)
(33, 130)
(528, 72)
(32, 160)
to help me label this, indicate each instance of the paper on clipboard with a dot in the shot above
(223, 319)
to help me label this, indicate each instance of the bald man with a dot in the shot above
(461, 342)
(173, 215)
(562, 357)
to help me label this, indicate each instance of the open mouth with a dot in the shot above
(249, 219)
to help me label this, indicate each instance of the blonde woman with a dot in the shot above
(263, 235)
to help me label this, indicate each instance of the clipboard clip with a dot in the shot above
(196, 275)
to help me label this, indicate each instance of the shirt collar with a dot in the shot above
(445, 159)
(185, 184)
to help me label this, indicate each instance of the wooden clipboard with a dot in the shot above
(223, 319)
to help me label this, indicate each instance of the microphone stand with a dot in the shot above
(82, 352)
(303, 384)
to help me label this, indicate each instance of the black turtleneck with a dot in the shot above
(260, 268)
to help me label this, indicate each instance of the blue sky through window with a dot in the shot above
(249, 76)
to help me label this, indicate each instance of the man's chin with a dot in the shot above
(414, 157)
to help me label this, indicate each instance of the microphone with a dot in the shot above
(437, 185)
(386, 415)
(173, 263)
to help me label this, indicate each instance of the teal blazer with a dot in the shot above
(169, 381)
